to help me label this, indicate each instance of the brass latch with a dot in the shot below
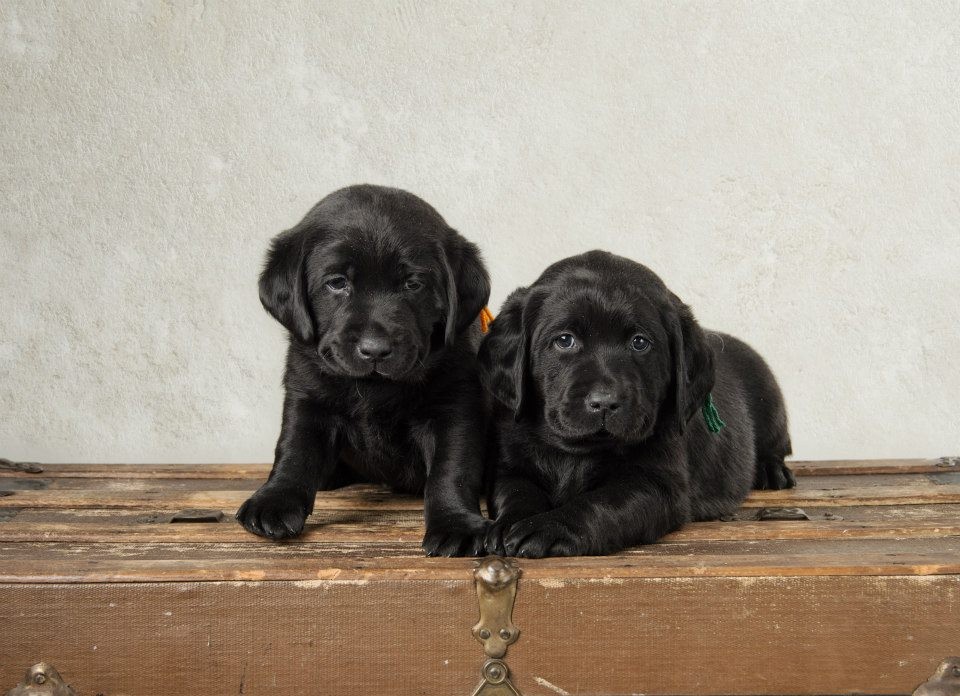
(944, 682)
(496, 580)
(42, 680)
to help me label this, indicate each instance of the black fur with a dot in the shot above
(380, 297)
(601, 444)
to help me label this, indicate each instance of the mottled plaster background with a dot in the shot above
(790, 169)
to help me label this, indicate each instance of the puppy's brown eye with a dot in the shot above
(565, 341)
(413, 284)
(337, 284)
(640, 344)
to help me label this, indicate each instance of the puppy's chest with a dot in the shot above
(378, 426)
(376, 437)
(385, 450)
(565, 477)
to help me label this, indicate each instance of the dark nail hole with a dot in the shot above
(782, 514)
(197, 516)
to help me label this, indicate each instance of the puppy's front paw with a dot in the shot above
(493, 541)
(459, 537)
(276, 512)
(540, 536)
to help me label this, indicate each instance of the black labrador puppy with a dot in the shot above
(608, 395)
(381, 299)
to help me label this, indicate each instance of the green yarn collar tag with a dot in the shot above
(711, 416)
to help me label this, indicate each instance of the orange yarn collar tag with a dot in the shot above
(486, 316)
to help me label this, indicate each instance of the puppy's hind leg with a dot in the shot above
(771, 434)
(773, 474)
(771, 437)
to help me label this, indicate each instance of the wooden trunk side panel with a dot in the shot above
(815, 635)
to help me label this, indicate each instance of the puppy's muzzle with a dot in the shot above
(369, 351)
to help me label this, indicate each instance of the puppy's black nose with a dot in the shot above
(374, 348)
(602, 400)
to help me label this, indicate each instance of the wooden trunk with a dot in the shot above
(96, 579)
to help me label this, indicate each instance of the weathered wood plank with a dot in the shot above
(260, 471)
(862, 513)
(408, 527)
(354, 498)
(128, 485)
(147, 471)
(923, 490)
(835, 482)
(841, 467)
(817, 529)
(133, 486)
(916, 494)
(139, 562)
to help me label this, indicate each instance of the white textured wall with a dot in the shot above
(791, 169)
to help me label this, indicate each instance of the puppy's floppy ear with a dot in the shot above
(283, 287)
(468, 285)
(693, 368)
(503, 352)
